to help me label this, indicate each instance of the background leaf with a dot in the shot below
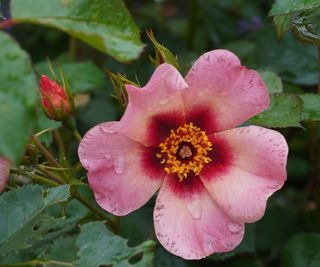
(285, 110)
(18, 96)
(81, 76)
(272, 80)
(24, 221)
(306, 26)
(302, 250)
(109, 249)
(311, 107)
(105, 25)
(289, 6)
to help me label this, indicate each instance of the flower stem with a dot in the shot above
(77, 135)
(45, 152)
(50, 175)
(99, 213)
(49, 157)
(35, 177)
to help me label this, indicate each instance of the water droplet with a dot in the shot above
(107, 156)
(194, 208)
(108, 130)
(234, 227)
(118, 164)
(163, 101)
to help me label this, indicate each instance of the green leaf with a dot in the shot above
(22, 221)
(311, 107)
(302, 250)
(81, 76)
(282, 23)
(63, 249)
(306, 26)
(286, 15)
(289, 6)
(18, 96)
(165, 259)
(110, 249)
(272, 80)
(105, 25)
(293, 61)
(285, 110)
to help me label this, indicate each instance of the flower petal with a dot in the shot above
(255, 169)
(122, 173)
(189, 224)
(4, 172)
(224, 91)
(156, 108)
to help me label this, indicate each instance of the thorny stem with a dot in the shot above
(50, 175)
(75, 194)
(43, 180)
(49, 156)
(59, 141)
(45, 152)
(35, 177)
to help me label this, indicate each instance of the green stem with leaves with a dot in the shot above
(54, 182)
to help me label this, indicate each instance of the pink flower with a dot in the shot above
(4, 172)
(55, 101)
(178, 135)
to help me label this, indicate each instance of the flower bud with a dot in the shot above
(56, 101)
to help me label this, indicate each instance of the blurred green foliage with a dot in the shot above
(288, 234)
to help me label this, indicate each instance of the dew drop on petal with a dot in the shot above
(118, 164)
(163, 101)
(234, 227)
(108, 130)
(194, 207)
(107, 156)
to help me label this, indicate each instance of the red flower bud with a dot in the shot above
(55, 100)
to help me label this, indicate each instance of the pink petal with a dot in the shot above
(4, 172)
(156, 108)
(119, 174)
(224, 91)
(189, 224)
(255, 169)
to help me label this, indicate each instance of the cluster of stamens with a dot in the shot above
(185, 150)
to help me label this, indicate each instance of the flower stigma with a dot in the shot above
(185, 150)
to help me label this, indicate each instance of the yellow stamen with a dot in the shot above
(193, 152)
